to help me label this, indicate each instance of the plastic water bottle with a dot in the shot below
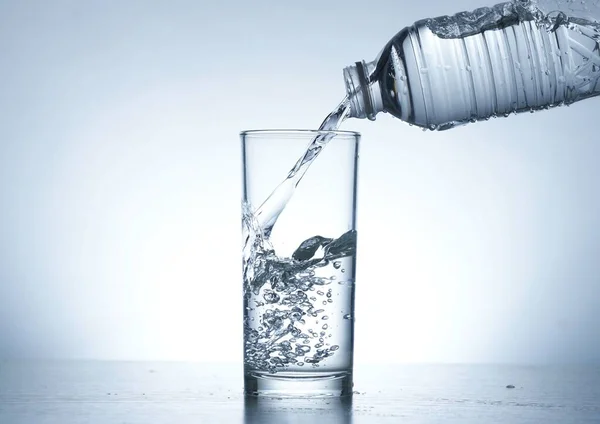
(494, 61)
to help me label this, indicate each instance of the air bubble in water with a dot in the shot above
(296, 316)
(271, 297)
(302, 350)
(337, 264)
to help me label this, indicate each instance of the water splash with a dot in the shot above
(284, 328)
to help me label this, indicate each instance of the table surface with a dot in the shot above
(43, 392)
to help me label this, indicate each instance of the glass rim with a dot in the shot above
(299, 132)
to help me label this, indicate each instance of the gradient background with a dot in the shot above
(120, 183)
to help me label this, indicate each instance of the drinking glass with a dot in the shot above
(298, 279)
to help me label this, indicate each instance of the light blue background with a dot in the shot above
(120, 188)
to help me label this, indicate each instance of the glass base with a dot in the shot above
(298, 385)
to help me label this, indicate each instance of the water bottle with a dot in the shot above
(494, 61)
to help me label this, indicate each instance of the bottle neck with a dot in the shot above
(364, 93)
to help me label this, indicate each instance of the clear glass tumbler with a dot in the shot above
(299, 277)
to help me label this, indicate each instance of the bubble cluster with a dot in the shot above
(281, 324)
